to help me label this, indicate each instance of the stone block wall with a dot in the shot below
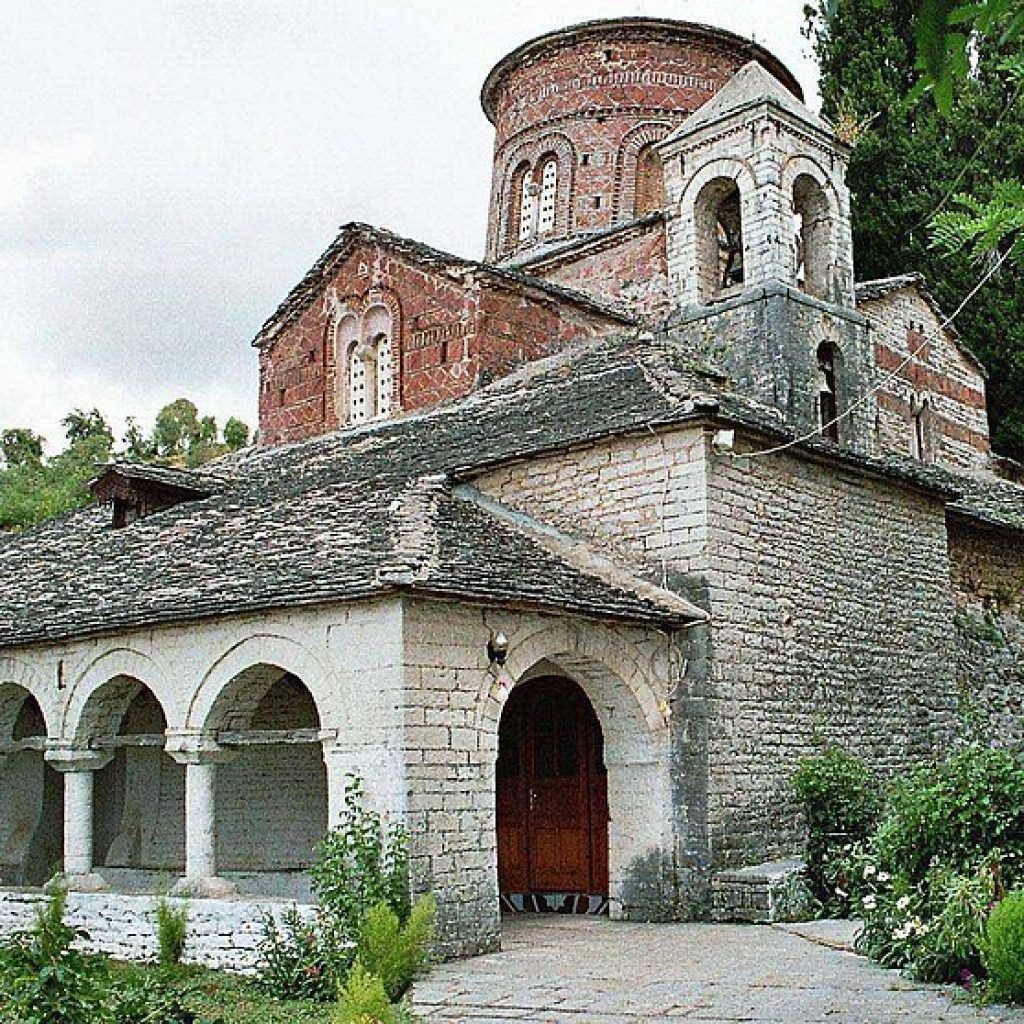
(956, 422)
(767, 339)
(221, 933)
(453, 705)
(988, 584)
(831, 623)
(642, 496)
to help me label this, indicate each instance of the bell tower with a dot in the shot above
(760, 255)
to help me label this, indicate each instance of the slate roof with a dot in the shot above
(311, 287)
(372, 509)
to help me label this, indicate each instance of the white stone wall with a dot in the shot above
(832, 622)
(453, 707)
(644, 495)
(220, 933)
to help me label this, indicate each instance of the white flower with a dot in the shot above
(884, 876)
(869, 870)
(869, 902)
(903, 932)
(903, 902)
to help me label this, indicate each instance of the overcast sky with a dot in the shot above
(169, 169)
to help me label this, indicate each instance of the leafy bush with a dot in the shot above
(395, 951)
(363, 1000)
(1003, 948)
(841, 801)
(147, 999)
(951, 843)
(298, 959)
(955, 813)
(360, 863)
(171, 930)
(45, 980)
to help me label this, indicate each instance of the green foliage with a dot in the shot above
(361, 862)
(841, 800)
(951, 842)
(33, 488)
(955, 814)
(300, 959)
(909, 160)
(395, 951)
(363, 1000)
(1003, 948)
(934, 928)
(45, 980)
(21, 448)
(171, 929)
(147, 999)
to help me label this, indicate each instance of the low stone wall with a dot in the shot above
(761, 894)
(221, 933)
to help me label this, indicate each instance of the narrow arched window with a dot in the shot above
(718, 223)
(358, 392)
(548, 196)
(812, 229)
(921, 427)
(518, 203)
(650, 181)
(384, 368)
(527, 200)
(829, 383)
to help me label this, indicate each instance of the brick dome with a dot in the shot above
(576, 114)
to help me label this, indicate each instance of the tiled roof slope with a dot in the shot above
(365, 510)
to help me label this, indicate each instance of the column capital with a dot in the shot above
(77, 759)
(196, 748)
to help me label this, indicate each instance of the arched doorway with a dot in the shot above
(552, 800)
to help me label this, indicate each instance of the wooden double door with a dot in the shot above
(552, 792)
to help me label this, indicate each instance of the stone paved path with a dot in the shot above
(561, 970)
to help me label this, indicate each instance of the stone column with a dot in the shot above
(78, 768)
(201, 760)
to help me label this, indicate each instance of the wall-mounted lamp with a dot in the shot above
(724, 441)
(497, 648)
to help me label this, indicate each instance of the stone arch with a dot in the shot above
(607, 670)
(813, 243)
(268, 656)
(530, 153)
(123, 671)
(346, 338)
(18, 680)
(636, 740)
(377, 343)
(642, 137)
(699, 206)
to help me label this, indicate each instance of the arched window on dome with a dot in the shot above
(378, 361)
(346, 337)
(830, 368)
(520, 211)
(812, 228)
(718, 225)
(650, 181)
(548, 195)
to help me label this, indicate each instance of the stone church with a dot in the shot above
(570, 554)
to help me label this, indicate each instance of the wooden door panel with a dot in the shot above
(551, 792)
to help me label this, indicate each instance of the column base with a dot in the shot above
(91, 882)
(212, 888)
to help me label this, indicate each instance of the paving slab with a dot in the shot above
(586, 970)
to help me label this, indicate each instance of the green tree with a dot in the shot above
(82, 426)
(236, 434)
(20, 447)
(910, 162)
(176, 429)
